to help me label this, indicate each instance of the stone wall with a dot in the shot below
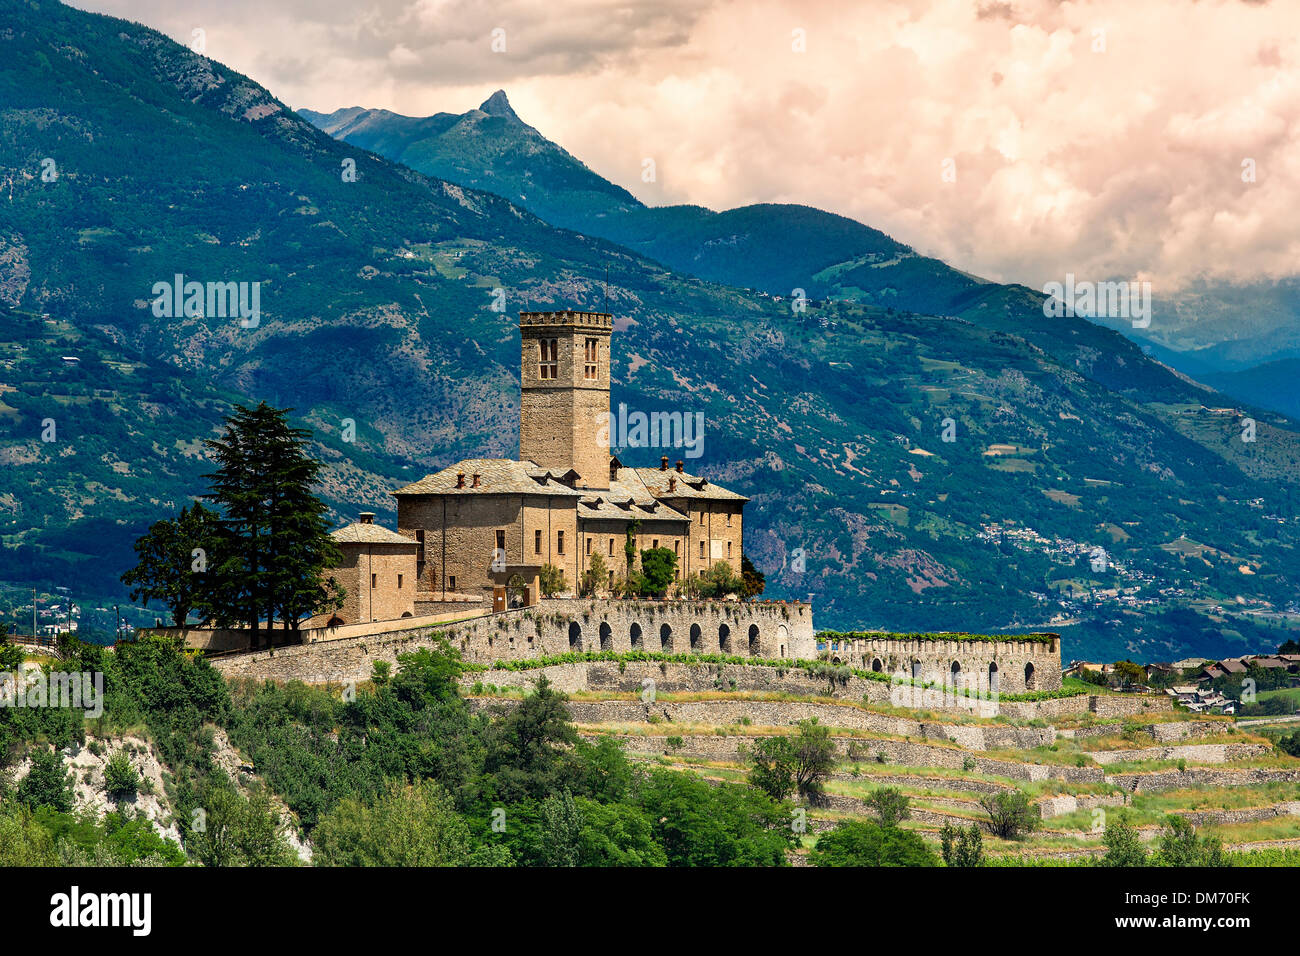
(553, 627)
(1007, 666)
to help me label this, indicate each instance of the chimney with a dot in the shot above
(679, 466)
(672, 483)
(475, 484)
(663, 463)
(460, 479)
(367, 517)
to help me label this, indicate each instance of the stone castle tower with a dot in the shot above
(564, 405)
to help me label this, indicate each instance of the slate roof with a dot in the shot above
(655, 481)
(497, 476)
(362, 533)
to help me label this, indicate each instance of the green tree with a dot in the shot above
(892, 806)
(658, 569)
(753, 579)
(1010, 813)
(1180, 846)
(172, 562)
(862, 843)
(551, 580)
(233, 830)
(526, 747)
(561, 831)
(720, 581)
(814, 760)
(47, 784)
(1123, 844)
(408, 825)
(774, 761)
(596, 577)
(1127, 673)
(275, 543)
(120, 778)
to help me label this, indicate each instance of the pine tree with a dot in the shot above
(173, 560)
(275, 548)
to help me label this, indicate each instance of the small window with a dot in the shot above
(701, 549)
(419, 539)
(701, 518)
(589, 544)
(451, 582)
(728, 549)
(559, 542)
(676, 542)
(374, 581)
(611, 547)
(501, 540)
(728, 519)
(537, 542)
(548, 365)
(590, 367)
(399, 582)
(654, 543)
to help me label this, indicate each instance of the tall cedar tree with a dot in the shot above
(275, 535)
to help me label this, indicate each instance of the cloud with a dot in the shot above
(1103, 138)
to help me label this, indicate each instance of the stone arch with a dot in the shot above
(782, 640)
(955, 673)
(697, 638)
(606, 637)
(877, 664)
(575, 636)
(1031, 681)
(755, 644)
(993, 677)
(634, 636)
(406, 614)
(724, 638)
(334, 621)
(666, 638)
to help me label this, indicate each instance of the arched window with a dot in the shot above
(724, 638)
(606, 640)
(666, 638)
(755, 645)
(993, 677)
(955, 671)
(782, 639)
(877, 664)
(696, 638)
(575, 636)
(635, 636)
(1030, 682)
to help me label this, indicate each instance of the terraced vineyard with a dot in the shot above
(1080, 760)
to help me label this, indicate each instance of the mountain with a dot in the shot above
(377, 289)
(1272, 385)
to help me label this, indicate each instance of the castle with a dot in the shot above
(478, 533)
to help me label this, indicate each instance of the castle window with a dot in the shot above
(399, 582)
(701, 549)
(728, 549)
(701, 517)
(374, 581)
(611, 547)
(549, 365)
(501, 540)
(589, 544)
(676, 542)
(559, 542)
(728, 519)
(451, 582)
(537, 542)
(654, 543)
(589, 369)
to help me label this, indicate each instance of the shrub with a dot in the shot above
(120, 778)
(1010, 813)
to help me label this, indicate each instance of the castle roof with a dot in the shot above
(655, 482)
(621, 503)
(497, 476)
(362, 532)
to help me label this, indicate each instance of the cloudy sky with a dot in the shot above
(1102, 138)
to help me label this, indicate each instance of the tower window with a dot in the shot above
(501, 540)
(701, 549)
(549, 365)
(399, 582)
(374, 581)
(590, 370)
(451, 582)
(589, 544)
(537, 542)
(611, 547)
(559, 542)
